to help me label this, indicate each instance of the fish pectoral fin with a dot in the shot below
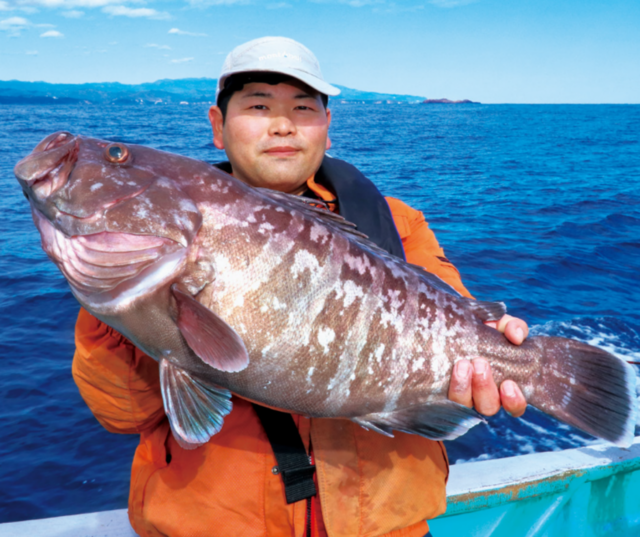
(485, 311)
(211, 338)
(196, 410)
(444, 420)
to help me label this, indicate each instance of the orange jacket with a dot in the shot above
(369, 485)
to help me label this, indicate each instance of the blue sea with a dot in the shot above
(537, 206)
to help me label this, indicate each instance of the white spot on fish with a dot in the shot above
(417, 364)
(319, 233)
(360, 263)
(351, 292)
(325, 337)
(95, 186)
(305, 260)
(264, 227)
(309, 374)
(394, 301)
(379, 351)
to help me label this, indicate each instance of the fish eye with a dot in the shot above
(116, 153)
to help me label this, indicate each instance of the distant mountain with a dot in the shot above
(447, 101)
(348, 94)
(189, 90)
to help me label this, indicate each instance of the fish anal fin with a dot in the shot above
(377, 427)
(211, 338)
(196, 410)
(442, 420)
(485, 311)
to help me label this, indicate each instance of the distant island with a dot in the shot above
(182, 91)
(447, 101)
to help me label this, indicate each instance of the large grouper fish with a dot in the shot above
(237, 289)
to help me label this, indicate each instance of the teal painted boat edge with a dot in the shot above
(584, 492)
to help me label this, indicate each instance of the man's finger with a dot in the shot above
(460, 385)
(512, 398)
(516, 331)
(486, 398)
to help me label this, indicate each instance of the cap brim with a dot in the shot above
(310, 80)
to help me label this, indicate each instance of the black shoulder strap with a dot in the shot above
(293, 462)
(360, 202)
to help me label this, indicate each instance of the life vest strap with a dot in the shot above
(294, 464)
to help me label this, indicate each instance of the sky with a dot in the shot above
(493, 51)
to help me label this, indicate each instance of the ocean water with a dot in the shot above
(538, 206)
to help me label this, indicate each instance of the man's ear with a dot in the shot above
(328, 145)
(217, 123)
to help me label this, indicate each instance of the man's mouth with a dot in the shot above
(283, 151)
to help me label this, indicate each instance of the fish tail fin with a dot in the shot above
(587, 388)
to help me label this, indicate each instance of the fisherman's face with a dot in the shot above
(274, 136)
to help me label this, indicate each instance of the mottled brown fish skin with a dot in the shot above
(333, 327)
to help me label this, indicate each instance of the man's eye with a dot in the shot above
(259, 107)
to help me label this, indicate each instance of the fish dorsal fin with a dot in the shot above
(433, 280)
(444, 420)
(486, 311)
(212, 339)
(195, 409)
(310, 207)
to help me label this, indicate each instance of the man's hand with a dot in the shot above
(472, 382)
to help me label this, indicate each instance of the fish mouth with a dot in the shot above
(101, 266)
(48, 168)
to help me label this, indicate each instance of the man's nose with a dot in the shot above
(282, 125)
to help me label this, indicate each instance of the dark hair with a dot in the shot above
(237, 82)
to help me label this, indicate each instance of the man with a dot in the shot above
(272, 120)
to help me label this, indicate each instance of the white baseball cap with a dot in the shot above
(276, 55)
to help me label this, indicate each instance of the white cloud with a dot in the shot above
(182, 32)
(182, 60)
(73, 14)
(31, 52)
(14, 22)
(52, 33)
(4, 6)
(146, 12)
(160, 47)
(14, 25)
(278, 5)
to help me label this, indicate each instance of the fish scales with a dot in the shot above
(235, 289)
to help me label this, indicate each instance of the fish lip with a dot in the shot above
(56, 175)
